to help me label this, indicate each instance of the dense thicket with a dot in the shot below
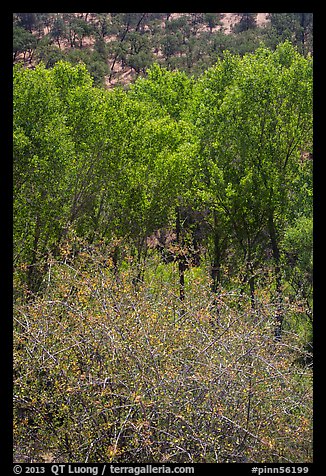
(202, 182)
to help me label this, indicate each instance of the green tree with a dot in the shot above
(59, 30)
(295, 27)
(171, 93)
(23, 42)
(212, 20)
(254, 122)
(62, 162)
(42, 149)
(298, 249)
(207, 97)
(170, 90)
(139, 55)
(49, 54)
(247, 21)
(104, 26)
(28, 21)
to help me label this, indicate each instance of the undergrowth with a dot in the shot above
(106, 370)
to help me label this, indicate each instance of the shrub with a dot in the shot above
(108, 372)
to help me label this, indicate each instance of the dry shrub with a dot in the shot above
(108, 372)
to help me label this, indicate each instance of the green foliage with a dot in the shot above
(170, 90)
(247, 21)
(212, 20)
(215, 166)
(254, 117)
(42, 149)
(298, 251)
(22, 40)
(134, 41)
(295, 27)
(298, 241)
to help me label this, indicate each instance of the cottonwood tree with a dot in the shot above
(253, 132)
(207, 97)
(42, 151)
(171, 92)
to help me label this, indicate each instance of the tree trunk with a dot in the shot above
(141, 260)
(216, 267)
(31, 54)
(250, 277)
(32, 272)
(181, 258)
(141, 19)
(182, 268)
(116, 56)
(96, 219)
(251, 285)
(302, 32)
(276, 257)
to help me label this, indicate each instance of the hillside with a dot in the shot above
(118, 47)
